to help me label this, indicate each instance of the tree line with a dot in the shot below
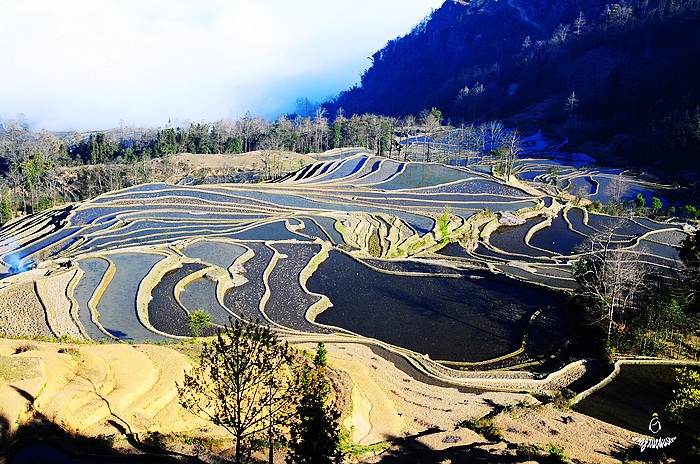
(43, 169)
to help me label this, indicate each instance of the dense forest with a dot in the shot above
(622, 75)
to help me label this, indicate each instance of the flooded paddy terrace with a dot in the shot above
(409, 257)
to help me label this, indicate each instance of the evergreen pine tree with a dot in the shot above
(321, 359)
(314, 437)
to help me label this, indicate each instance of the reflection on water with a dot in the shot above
(164, 312)
(117, 307)
(220, 254)
(94, 269)
(457, 319)
(557, 237)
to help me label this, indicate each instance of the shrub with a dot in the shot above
(25, 347)
(321, 358)
(556, 450)
(513, 409)
(595, 206)
(529, 450)
(155, 440)
(197, 320)
(105, 440)
(563, 398)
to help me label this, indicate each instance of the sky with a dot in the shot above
(99, 64)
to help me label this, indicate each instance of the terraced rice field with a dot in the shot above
(634, 395)
(347, 249)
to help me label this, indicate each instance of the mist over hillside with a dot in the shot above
(620, 76)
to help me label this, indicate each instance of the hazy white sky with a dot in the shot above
(89, 64)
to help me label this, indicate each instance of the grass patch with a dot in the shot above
(355, 450)
(560, 399)
(529, 451)
(552, 453)
(73, 352)
(13, 369)
(563, 399)
(30, 406)
(349, 448)
(556, 450)
(513, 410)
(485, 427)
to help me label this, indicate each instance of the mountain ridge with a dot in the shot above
(629, 66)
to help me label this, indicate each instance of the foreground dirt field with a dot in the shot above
(119, 389)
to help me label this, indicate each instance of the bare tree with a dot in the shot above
(407, 128)
(493, 131)
(376, 130)
(320, 129)
(579, 23)
(616, 191)
(561, 33)
(571, 103)
(270, 159)
(392, 123)
(222, 130)
(511, 149)
(569, 107)
(479, 140)
(694, 123)
(306, 130)
(609, 277)
(618, 13)
(251, 130)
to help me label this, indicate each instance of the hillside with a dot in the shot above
(628, 66)
(118, 399)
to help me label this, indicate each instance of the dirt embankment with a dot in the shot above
(22, 313)
(95, 389)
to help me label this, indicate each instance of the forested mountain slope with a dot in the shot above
(623, 75)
